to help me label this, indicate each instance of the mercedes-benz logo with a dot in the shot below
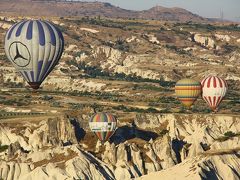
(19, 54)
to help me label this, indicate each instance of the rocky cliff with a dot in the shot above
(175, 145)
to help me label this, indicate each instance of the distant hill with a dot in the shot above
(73, 8)
(170, 14)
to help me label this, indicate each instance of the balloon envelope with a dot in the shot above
(103, 125)
(187, 91)
(213, 90)
(34, 47)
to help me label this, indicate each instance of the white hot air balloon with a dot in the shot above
(34, 47)
(213, 91)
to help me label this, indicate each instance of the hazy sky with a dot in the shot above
(205, 8)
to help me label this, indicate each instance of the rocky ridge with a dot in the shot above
(66, 8)
(53, 149)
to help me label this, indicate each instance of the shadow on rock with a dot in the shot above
(104, 170)
(125, 133)
(177, 146)
(79, 132)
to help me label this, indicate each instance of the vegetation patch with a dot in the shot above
(177, 49)
(163, 132)
(134, 109)
(148, 87)
(110, 23)
(228, 135)
(3, 148)
(96, 72)
(16, 101)
(208, 27)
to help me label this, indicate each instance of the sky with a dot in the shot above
(205, 8)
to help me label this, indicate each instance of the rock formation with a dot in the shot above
(192, 146)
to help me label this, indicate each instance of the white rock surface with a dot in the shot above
(223, 37)
(89, 30)
(188, 150)
(5, 25)
(214, 167)
(204, 41)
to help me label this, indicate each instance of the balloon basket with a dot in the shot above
(34, 85)
(214, 110)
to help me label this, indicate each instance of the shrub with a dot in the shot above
(47, 98)
(176, 49)
(229, 48)
(163, 132)
(168, 99)
(133, 109)
(95, 71)
(3, 148)
(3, 57)
(152, 110)
(121, 45)
(223, 138)
(147, 87)
(208, 27)
(229, 134)
(72, 62)
(56, 104)
(165, 110)
(64, 70)
(182, 109)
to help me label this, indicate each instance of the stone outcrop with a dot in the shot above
(116, 61)
(204, 40)
(214, 167)
(184, 145)
(53, 132)
(223, 37)
(83, 166)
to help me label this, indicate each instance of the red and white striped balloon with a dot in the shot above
(213, 90)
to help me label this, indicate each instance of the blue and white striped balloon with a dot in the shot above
(34, 47)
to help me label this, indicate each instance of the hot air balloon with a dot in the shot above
(34, 47)
(187, 91)
(213, 91)
(103, 125)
